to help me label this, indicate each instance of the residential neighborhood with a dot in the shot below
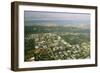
(51, 46)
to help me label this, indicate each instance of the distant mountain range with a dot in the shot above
(56, 22)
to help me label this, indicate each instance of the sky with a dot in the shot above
(55, 17)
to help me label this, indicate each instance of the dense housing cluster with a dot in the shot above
(52, 46)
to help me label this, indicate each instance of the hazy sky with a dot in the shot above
(56, 16)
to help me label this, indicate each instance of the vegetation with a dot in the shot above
(56, 42)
